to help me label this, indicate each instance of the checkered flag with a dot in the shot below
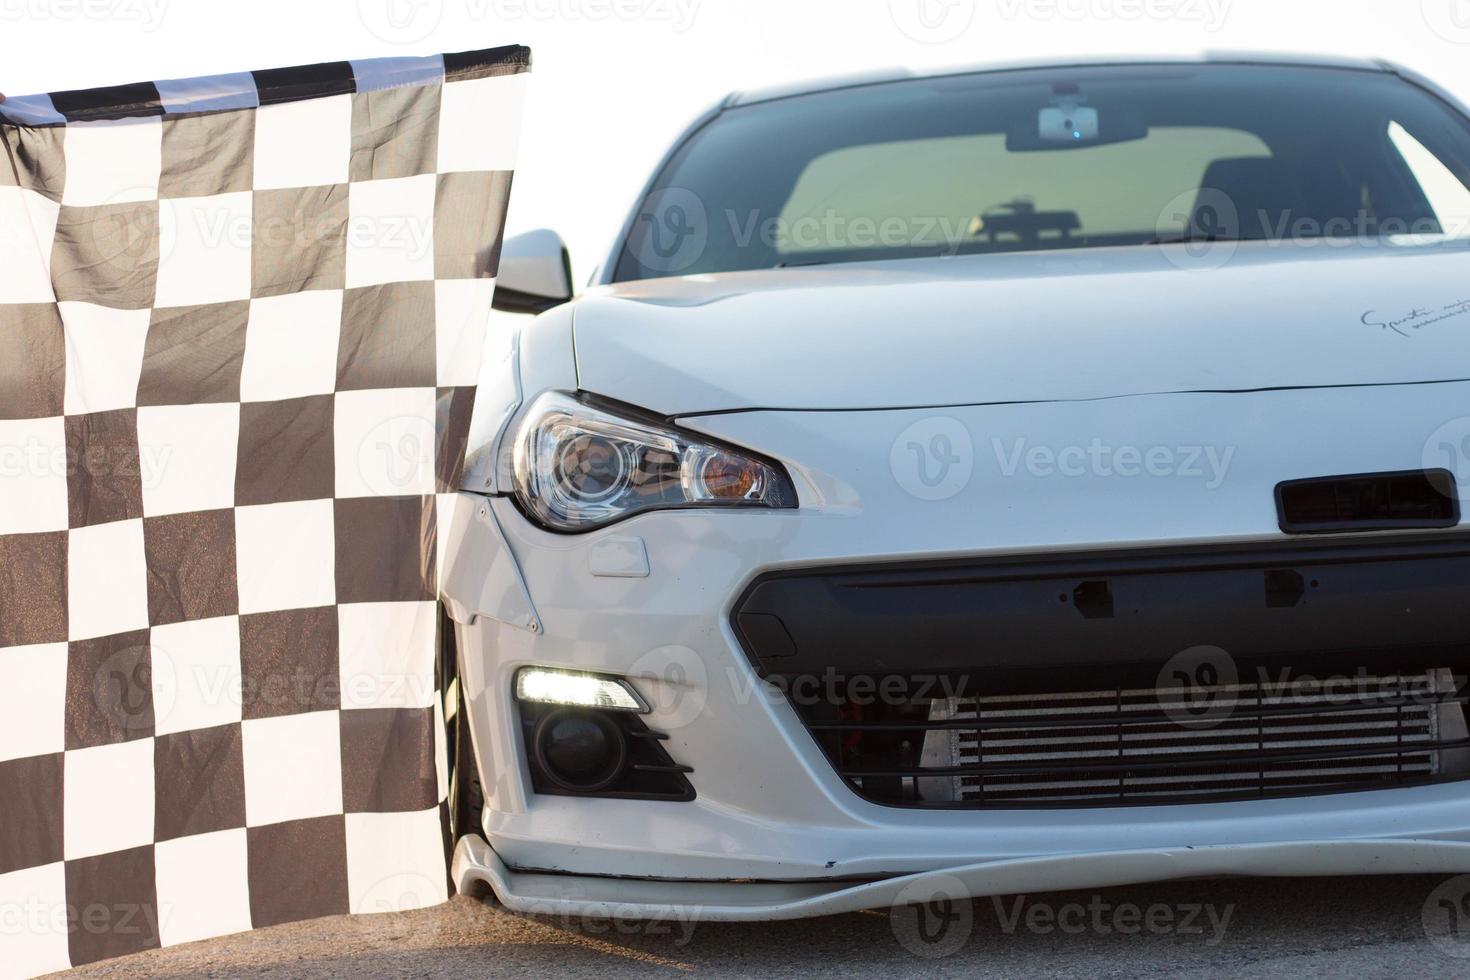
(241, 320)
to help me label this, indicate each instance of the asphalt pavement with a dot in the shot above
(1363, 928)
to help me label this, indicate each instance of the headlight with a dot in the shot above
(579, 467)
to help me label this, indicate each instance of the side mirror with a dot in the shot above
(535, 273)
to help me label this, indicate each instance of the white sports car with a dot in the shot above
(982, 482)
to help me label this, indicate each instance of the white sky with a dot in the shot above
(616, 80)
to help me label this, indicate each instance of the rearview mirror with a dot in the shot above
(1075, 128)
(535, 273)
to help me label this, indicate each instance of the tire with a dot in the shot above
(469, 796)
(466, 795)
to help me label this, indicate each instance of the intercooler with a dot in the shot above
(1265, 738)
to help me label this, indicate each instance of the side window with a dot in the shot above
(1447, 194)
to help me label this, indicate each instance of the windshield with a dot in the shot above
(1056, 159)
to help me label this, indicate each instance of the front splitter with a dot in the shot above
(540, 893)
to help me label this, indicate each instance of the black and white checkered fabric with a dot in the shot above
(241, 321)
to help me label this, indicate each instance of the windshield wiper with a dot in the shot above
(859, 256)
(1193, 239)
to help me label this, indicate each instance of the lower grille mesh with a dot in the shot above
(1141, 745)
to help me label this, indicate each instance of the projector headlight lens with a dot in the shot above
(580, 467)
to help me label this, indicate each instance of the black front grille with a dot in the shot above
(1086, 681)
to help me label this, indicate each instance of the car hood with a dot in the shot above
(1077, 325)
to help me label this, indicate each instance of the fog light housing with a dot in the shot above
(582, 734)
(580, 751)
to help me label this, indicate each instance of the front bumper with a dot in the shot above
(771, 811)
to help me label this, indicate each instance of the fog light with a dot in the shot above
(547, 685)
(580, 751)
